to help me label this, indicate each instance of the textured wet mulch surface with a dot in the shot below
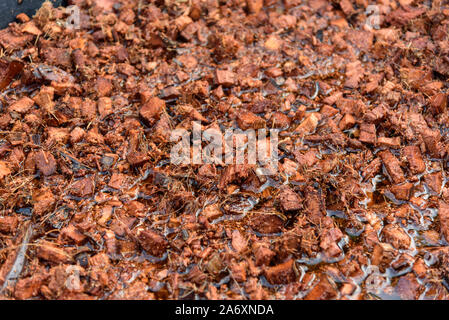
(92, 208)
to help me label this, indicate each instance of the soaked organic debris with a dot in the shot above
(92, 208)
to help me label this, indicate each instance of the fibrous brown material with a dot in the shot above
(355, 206)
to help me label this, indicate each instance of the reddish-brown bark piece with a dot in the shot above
(105, 106)
(347, 7)
(307, 159)
(238, 241)
(152, 109)
(248, 120)
(376, 115)
(368, 133)
(116, 181)
(419, 268)
(212, 212)
(8, 224)
(5, 120)
(329, 242)
(21, 106)
(72, 234)
(43, 201)
(279, 120)
(44, 99)
(29, 287)
(274, 72)
(414, 159)
(354, 73)
(394, 143)
(170, 93)
(152, 242)
(22, 17)
(215, 264)
(136, 208)
(282, 273)
(290, 201)
(443, 214)
(196, 275)
(434, 181)
(392, 166)
(45, 162)
(254, 6)
(408, 287)
(83, 187)
(88, 109)
(372, 169)
(225, 78)
(267, 223)
(57, 56)
(309, 124)
(57, 135)
(136, 158)
(77, 135)
(432, 139)
(103, 86)
(238, 271)
(273, 43)
(314, 205)
(402, 16)
(9, 71)
(347, 122)
(162, 130)
(51, 253)
(4, 170)
(396, 236)
(263, 255)
(99, 260)
(402, 191)
(12, 41)
(323, 290)
(438, 103)
(382, 253)
(328, 111)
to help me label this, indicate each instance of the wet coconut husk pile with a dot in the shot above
(92, 208)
